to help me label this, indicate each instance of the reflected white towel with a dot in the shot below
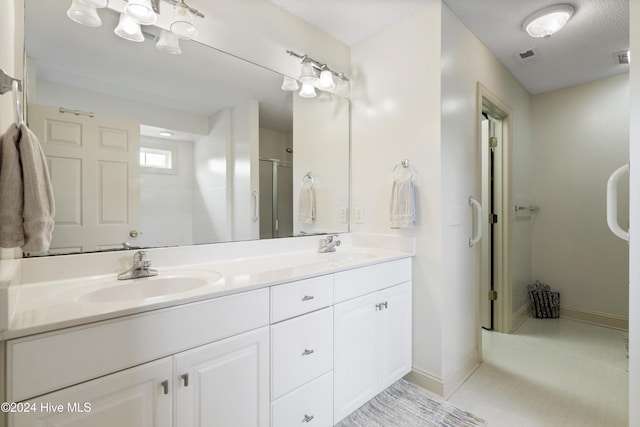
(403, 202)
(307, 205)
(26, 196)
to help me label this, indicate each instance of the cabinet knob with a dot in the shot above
(307, 297)
(307, 418)
(165, 386)
(307, 352)
(384, 304)
(379, 307)
(185, 379)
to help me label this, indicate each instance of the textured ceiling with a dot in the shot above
(583, 51)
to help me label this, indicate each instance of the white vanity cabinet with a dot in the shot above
(200, 364)
(372, 333)
(302, 353)
(136, 397)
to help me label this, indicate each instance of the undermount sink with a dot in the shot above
(113, 290)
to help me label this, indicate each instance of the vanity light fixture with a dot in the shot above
(548, 21)
(310, 70)
(141, 12)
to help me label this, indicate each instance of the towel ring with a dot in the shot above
(307, 178)
(405, 165)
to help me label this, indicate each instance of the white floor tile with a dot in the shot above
(550, 372)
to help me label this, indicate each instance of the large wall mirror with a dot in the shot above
(148, 149)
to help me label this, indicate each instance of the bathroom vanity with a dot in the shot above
(262, 345)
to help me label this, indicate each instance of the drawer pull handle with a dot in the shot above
(307, 418)
(185, 379)
(165, 386)
(307, 297)
(307, 352)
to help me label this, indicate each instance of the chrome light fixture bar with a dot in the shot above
(316, 74)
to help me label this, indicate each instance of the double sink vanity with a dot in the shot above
(297, 337)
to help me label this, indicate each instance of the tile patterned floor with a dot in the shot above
(550, 372)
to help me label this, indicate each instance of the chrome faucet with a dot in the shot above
(140, 268)
(329, 243)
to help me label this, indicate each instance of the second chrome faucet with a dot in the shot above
(139, 268)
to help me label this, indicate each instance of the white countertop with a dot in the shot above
(50, 305)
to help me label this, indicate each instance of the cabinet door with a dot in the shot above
(395, 334)
(136, 397)
(355, 358)
(225, 383)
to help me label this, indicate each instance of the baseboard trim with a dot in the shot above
(425, 380)
(607, 320)
(520, 316)
(451, 383)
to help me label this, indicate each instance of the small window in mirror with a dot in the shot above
(157, 160)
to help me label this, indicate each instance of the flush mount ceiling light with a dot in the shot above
(548, 21)
(310, 81)
(141, 12)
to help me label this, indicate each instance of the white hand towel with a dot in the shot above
(11, 190)
(39, 206)
(307, 205)
(403, 201)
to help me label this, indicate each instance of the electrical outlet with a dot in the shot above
(359, 215)
(343, 214)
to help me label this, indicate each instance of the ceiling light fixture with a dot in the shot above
(548, 21)
(310, 81)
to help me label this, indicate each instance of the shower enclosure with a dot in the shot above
(276, 198)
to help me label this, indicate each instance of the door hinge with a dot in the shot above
(493, 295)
(493, 218)
(493, 142)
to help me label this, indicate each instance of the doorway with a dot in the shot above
(495, 290)
(276, 198)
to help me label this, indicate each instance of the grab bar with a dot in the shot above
(478, 212)
(612, 202)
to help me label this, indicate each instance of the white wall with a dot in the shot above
(581, 135)
(466, 61)
(395, 116)
(166, 207)
(634, 247)
(321, 135)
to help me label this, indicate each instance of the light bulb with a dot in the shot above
(128, 29)
(289, 84)
(307, 91)
(141, 12)
(169, 43)
(307, 73)
(84, 14)
(182, 25)
(326, 81)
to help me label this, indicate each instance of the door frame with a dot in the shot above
(502, 313)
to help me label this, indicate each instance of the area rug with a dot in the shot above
(406, 405)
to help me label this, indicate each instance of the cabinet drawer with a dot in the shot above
(43, 363)
(361, 281)
(303, 296)
(301, 350)
(310, 404)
